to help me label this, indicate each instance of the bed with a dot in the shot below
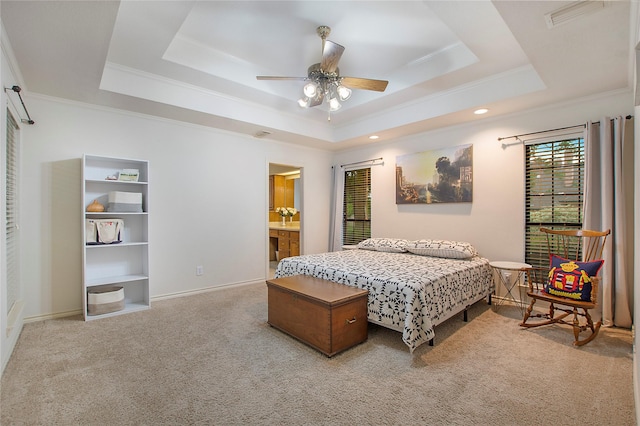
(413, 285)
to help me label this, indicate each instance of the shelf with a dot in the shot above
(128, 308)
(124, 264)
(119, 279)
(97, 168)
(123, 244)
(109, 214)
(115, 182)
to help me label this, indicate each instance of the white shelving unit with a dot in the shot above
(126, 263)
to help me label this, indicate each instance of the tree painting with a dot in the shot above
(441, 176)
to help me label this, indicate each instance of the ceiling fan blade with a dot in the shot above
(331, 53)
(365, 83)
(270, 77)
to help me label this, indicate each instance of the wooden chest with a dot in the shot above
(327, 316)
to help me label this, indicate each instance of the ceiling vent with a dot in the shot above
(573, 11)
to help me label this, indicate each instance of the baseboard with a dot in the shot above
(57, 315)
(15, 321)
(206, 289)
(153, 299)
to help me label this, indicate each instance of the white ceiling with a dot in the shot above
(196, 61)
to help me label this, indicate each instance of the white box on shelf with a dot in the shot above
(129, 175)
(124, 202)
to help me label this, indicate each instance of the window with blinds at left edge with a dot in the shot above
(12, 252)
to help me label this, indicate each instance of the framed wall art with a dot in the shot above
(439, 176)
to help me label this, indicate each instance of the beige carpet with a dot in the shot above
(212, 359)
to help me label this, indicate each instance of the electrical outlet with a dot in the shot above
(199, 270)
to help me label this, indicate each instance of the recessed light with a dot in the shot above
(481, 111)
(374, 137)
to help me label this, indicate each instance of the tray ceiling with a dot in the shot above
(196, 61)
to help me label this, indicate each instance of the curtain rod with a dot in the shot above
(551, 130)
(537, 133)
(362, 162)
(17, 89)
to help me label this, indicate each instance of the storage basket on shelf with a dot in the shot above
(125, 202)
(103, 231)
(104, 300)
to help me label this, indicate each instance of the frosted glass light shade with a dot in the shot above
(310, 89)
(344, 93)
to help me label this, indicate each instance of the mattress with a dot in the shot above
(409, 293)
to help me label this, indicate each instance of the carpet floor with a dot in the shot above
(212, 359)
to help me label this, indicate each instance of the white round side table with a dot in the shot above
(505, 271)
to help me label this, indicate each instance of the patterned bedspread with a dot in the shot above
(407, 292)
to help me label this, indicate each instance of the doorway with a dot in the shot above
(284, 235)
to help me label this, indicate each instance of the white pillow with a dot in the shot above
(389, 245)
(442, 248)
(368, 244)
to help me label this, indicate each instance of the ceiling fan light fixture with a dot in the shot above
(334, 105)
(310, 89)
(323, 83)
(344, 93)
(303, 102)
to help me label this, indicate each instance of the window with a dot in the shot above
(356, 224)
(11, 223)
(554, 193)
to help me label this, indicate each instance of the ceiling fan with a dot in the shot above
(324, 80)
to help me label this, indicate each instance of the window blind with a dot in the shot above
(356, 224)
(12, 203)
(553, 194)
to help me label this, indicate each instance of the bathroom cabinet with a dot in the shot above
(286, 243)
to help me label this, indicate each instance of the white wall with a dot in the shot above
(207, 196)
(494, 221)
(208, 193)
(10, 321)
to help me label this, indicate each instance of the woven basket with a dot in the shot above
(104, 300)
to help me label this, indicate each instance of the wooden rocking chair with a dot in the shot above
(558, 286)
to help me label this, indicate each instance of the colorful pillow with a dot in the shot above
(389, 245)
(572, 279)
(442, 248)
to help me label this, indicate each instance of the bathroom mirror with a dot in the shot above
(284, 186)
